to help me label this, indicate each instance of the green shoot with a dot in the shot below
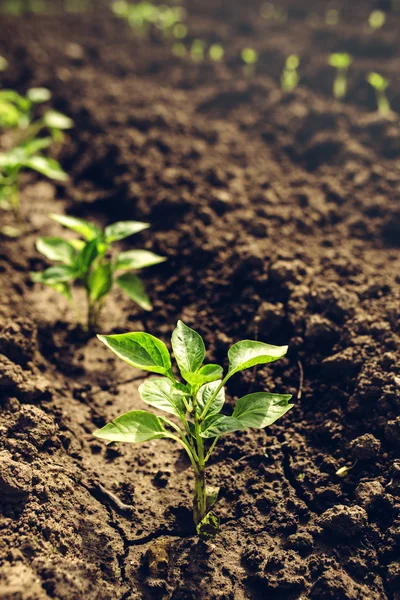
(197, 50)
(216, 52)
(3, 63)
(143, 16)
(380, 84)
(88, 261)
(332, 17)
(26, 143)
(179, 50)
(341, 61)
(249, 57)
(376, 19)
(195, 404)
(290, 76)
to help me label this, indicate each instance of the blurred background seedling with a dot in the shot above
(216, 52)
(290, 76)
(376, 19)
(332, 17)
(3, 63)
(340, 61)
(380, 85)
(249, 57)
(197, 50)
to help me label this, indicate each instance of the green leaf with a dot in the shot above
(46, 166)
(248, 353)
(140, 350)
(209, 526)
(86, 257)
(205, 393)
(62, 288)
(188, 347)
(56, 249)
(56, 274)
(261, 409)
(84, 228)
(206, 374)
(37, 145)
(100, 281)
(218, 425)
(133, 287)
(9, 114)
(38, 95)
(160, 392)
(56, 120)
(137, 259)
(211, 496)
(122, 229)
(135, 426)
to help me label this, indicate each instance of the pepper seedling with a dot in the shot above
(23, 143)
(87, 261)
(195, 404)
(376, 19)
(250, 58)
(340, 61)
(380, 85)
(290, 76)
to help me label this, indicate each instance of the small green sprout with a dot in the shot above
(88, 261)
(332, 17)
(179, 50)
(290, 76)
(197, 50)
(25, 145)
(216, 52)
(340, 61)
(250, 58)
(180, 31)
(3, 63)
(380, 85)
(377, 19)
(142, 16)
(195, 404)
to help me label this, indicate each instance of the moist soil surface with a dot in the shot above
(279, 215)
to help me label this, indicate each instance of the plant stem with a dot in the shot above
(200, 495)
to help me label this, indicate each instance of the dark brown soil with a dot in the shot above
(279, 214)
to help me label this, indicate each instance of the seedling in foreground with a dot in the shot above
(23, 142)
(380, 85)
(290, 76)
(195, 404)
(341, 61)
(87, 262)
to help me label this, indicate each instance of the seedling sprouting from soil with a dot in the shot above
(290, 76)
(22, 143)
(88, 262)
(249, 57)
(216, 52)
(376, 19)
(143, 16)
(197, 50)
(195, 404)
(341, 61)
(380, 85)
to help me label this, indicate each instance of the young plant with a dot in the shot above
(195, 404)
(88, 262)
(24, 142)
(376, 19)
(216, 52)
(250, 58)
(340, 61)
(380, 85)
(290, 76)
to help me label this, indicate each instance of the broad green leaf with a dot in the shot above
(122, 229)
(133, 287)
(86, 257)
(38, 95)
(12, 96)
(261, 409)
(248, 353)
(9, 114)
(188, 347)
(46, 166)
(205, 393)
(218, 425)
(84, 228)
(206, 374)
(135, 426)
(161, 393)
(56, 274)
(100, 281)
(137, 259)
(56, 249)
(56, 120)
(140, 350)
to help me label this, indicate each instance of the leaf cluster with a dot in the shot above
(198, 400)
(88, 261)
